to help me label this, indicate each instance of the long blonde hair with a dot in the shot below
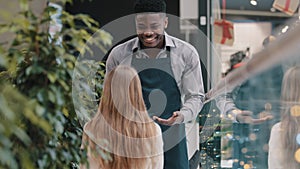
(122, 120)
(290, 116)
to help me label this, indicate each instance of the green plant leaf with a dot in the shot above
(24, 5)
(7, 158)
(52, 77)
(22, 135)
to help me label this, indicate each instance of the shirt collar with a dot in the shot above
(168, 40)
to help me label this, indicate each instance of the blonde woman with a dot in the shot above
(122, 127)
(284, 144)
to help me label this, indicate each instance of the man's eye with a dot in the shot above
(141, 27)
(154, 27)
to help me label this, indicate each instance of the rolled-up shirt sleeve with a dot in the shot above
(226, 106)
(192, 87)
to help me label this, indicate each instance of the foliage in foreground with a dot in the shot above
(38, 126)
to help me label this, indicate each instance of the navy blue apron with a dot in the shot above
(162, 98)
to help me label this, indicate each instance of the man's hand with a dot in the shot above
(244, 116)
(174, 119)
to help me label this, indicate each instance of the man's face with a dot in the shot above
(150, 29)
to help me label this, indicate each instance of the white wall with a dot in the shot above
(246, 34)
(189, 9)
(249, 34)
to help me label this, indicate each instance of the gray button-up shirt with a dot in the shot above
(185, 64)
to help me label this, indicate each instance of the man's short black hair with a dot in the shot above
(141, 6)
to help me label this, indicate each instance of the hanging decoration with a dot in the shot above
(287, 6)
(223, 29)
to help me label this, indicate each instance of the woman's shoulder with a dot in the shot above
(275, 133)
(158, 129)
(158, 134)
(276, 127)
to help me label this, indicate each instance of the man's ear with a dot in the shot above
(166, 22)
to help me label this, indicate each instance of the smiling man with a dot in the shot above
(170, 74)
(150, 29)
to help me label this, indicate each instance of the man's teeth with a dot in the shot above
(149, 39)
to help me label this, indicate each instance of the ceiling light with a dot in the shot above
(253, 2)
(272, 9)
(285, 29)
